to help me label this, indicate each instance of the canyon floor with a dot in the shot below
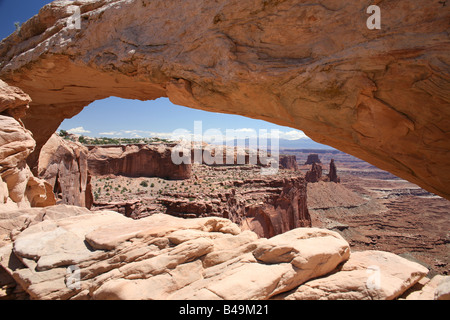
(371, 208)
(388, 214)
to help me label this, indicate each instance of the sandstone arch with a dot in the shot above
(381, 95)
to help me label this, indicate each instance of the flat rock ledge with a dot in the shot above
(104, 255)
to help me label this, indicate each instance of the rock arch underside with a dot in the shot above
(381, 95)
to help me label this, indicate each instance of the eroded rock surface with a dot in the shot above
(105, 255)
(288, 162)
(18, 186)
(315, 174)
(267, 206)
(64, 165)
(367, 275)
(163, 257)
(136, 161)
(313, 158)
(381, 95)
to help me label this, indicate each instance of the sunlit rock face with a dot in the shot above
(381, 95)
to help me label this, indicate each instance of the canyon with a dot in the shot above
(381, 95)
(124, 222)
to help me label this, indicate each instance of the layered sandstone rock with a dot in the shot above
(381, 95)
(13, 222)
(313, 158)
(436, 288)
(18, 186)
(267, 206)
(315, 174)
(367, 275)
(218, 155)
(136, 161)
(288, 162)
(64, 165)
(13, 101)
(332, 173)
(163, 257)
(105, 255)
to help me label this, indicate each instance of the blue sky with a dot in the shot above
(115, 117)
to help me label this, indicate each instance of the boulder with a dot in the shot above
(429, 289)
(443, 289)
(367, 275)
(105, 255)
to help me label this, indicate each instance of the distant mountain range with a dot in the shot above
(302, 144)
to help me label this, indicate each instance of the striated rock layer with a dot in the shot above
(381, 95)
(313, 158)
(19, 188)
(267, 207)
(64, 164)
(106, 256)
(136, 161)
(288, 162)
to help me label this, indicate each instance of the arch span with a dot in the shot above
(381, 95)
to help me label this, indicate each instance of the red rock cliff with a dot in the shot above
(136, 161)
(266, 206)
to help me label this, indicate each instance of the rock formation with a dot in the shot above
(18, 186)
(267, 207)
(313, 158)
(106, 256)
(381, 95)
(136, 161)
(64, 164)
(436, 288)
(332, 173)
(288, 162)
(315, 174)
(367, 275)
(13, 101)
(216, 155)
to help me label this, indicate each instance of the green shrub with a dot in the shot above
(144, 184)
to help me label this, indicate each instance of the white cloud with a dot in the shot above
(210, 135)
(293, 135)
(78, 130)
(110, 133)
